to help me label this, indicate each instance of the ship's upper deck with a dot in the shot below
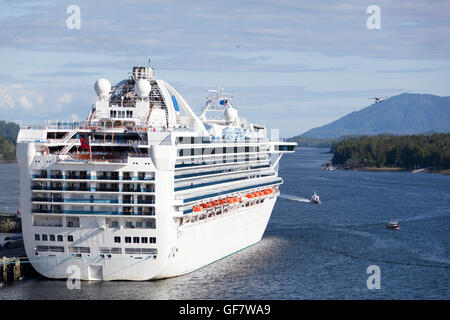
(141, 111)
(143, 103)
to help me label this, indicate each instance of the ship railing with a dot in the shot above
(87, 212)
(99, 141)
(90, 125)
(62, 177)
(68, 201)
(207, 183)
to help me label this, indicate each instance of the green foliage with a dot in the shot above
(432, 151)
(8, 137)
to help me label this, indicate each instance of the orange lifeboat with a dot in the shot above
(249, 196)
(229, 200)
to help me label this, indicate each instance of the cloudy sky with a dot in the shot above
(292, 65)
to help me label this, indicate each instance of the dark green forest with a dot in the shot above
(409, 151)
(8, 137)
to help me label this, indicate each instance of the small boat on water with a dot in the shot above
(393, 225)
(315, 198)
(327, 166)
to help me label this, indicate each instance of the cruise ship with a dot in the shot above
(144, 188)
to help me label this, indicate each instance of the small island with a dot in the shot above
(425, 152)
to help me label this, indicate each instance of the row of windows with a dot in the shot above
(120, 114)
(220, 150)
(192, 140)
(52, 237)
(60, 238)
(136, 239)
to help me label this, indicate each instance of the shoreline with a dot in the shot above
(8, 161)
(439, 171)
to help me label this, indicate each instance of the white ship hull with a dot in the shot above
(192, 247)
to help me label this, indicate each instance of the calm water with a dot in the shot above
(308, 251)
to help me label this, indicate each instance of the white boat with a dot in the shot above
(393, 225)
(144, 189)
(315, 198)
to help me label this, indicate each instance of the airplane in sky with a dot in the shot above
(378, 99)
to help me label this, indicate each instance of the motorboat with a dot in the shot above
(393, 225)
(315, 198)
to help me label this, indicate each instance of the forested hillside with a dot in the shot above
(8, 137)
(396, 151)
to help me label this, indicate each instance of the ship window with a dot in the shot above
(129, 224)
(52, 237)
(117, 239)
(114, 224)
(36, 237)
(135, 239)
(44, 237)
(60, 237)
(152, 239)
(139, 224)
(70, 238)
(127, 239)
(144, 240)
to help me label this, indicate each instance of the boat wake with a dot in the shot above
(293, 198)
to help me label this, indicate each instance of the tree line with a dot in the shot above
(409, 151)
(8, 138)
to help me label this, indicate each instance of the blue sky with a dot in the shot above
(292, 65)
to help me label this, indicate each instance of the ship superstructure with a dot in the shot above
(144, 189)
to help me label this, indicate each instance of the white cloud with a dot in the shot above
(6, 99)
(74, 117)
(65, 98)
(25, 103)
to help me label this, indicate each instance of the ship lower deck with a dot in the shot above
(180, 248)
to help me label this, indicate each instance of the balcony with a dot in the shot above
(87, 212)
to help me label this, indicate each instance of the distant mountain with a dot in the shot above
(406, 113)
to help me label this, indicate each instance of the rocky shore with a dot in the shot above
(10, 223)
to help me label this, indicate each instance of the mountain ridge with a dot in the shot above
(407, 113)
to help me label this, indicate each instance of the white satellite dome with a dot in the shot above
(142, 88)
(231, 114)
(102, 87)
